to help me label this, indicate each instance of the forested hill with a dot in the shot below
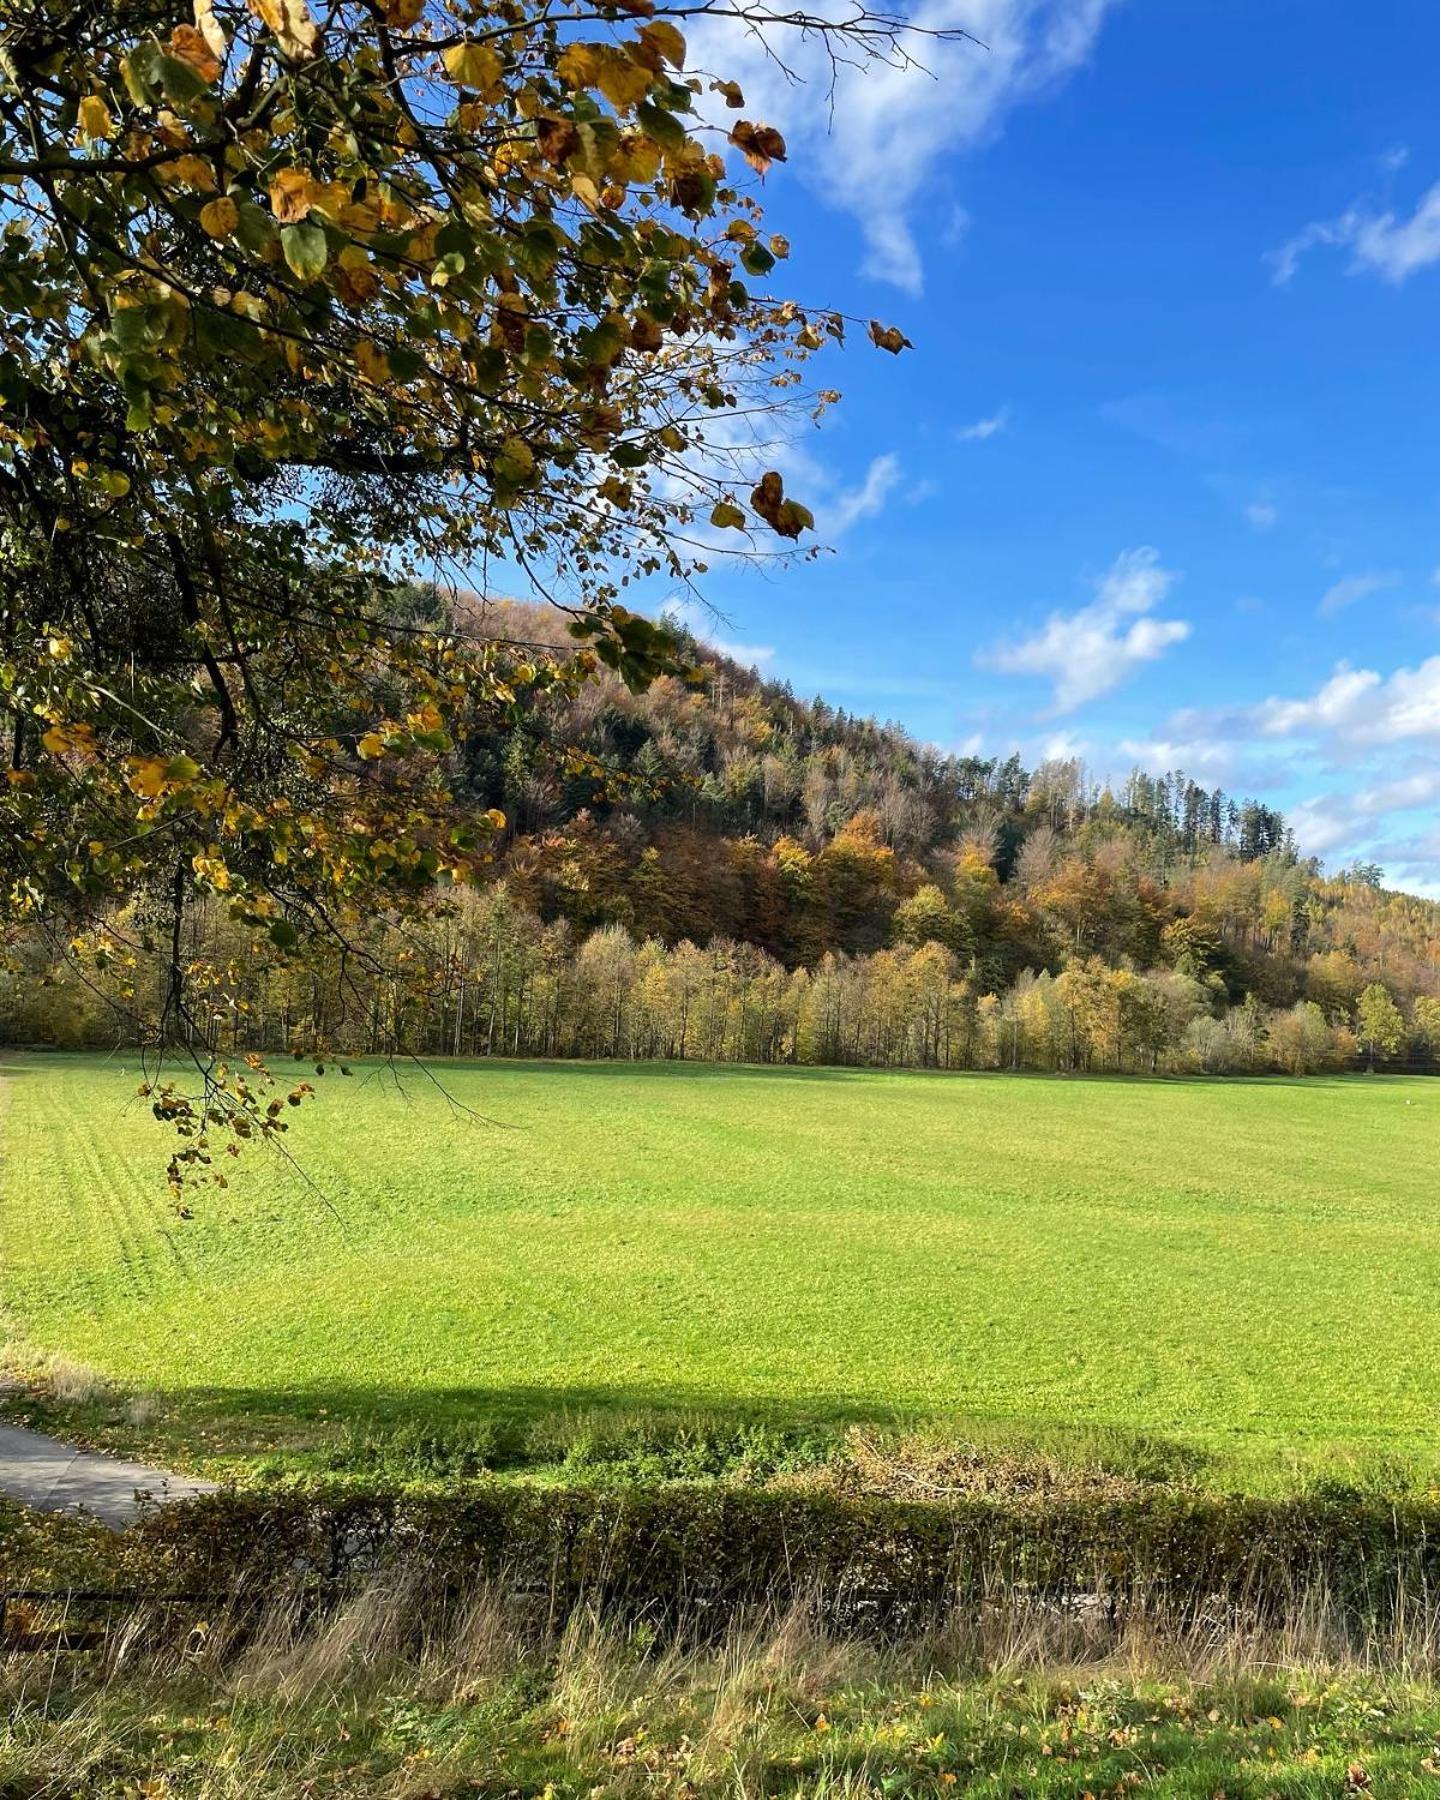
(726, 871)
(741, 811)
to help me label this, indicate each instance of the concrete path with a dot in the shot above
(42, 1472)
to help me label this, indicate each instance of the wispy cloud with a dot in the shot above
(984, 428)
(850, 505)
(871, 138)
(1087, 653)
(1261, 514)
(1355, 587)
(1380, 242)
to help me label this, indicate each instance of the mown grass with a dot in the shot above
(385, 1699)
(1233, 1281)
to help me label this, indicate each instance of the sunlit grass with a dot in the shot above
(1249, 1268)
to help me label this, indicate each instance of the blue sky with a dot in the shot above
(1158, 482)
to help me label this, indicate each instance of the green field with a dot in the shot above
(1250, 1269)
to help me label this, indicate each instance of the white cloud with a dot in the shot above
(1355, 822)
(1089, 652)
(1355, 587)
(984, 428)
(869, 138)
(849, 505)
(1214, 758)
(1395, 158)
(1380, 243)
(1261, 514)
(1352, 714)
(1324, 824)
(1359, 708)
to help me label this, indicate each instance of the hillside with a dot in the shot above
(726, 870)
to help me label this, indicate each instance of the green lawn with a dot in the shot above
(1249, 1268)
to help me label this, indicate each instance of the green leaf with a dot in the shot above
(663, 127)
(255, 229)
(305, 250)
(283, 935)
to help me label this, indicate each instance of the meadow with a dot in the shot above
(1240, 1275)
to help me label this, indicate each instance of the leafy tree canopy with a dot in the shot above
(296, 304)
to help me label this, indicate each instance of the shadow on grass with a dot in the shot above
(632, 1432)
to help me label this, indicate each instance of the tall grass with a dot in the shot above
(408, 1689)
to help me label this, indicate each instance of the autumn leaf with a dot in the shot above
(189, 45)
(787, 518)
(667, 44)
(94, 118)
(61, 740)
(624, 83)
(371, 361)
(210, 28)
(220, 217)
(760, 145)
(290, 195)
(578, 65)
(294, 28)
(727, 516)
(889, 337)
(474, 66)
(558, 139)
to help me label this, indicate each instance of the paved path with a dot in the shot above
(42, 1472)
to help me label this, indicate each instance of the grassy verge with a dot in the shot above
(389, 1698)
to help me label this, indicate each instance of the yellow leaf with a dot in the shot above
(623, 83)
(95, 120)
(578, 65)
(290, 20)
(372, 361)
(220, 217)
(210, 27)
(372, 745)
(189, 171)
(403, 13)
(59, 740)
(475, 66)
(665, 40)
(290, 191)
(636, 159)
(146, 776)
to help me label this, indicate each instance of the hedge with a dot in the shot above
(706, 1551)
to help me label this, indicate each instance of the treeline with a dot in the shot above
(494, 979)
(730, 873)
